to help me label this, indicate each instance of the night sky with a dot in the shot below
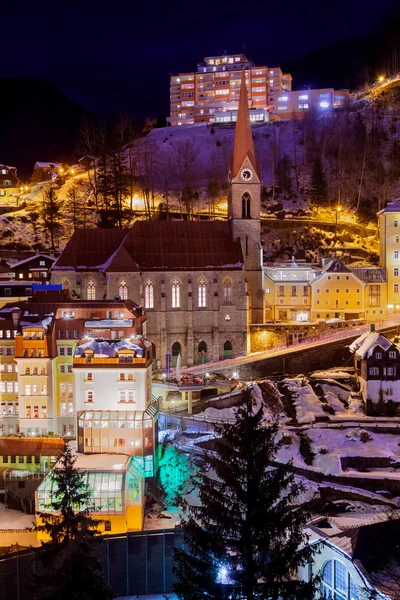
(116, 57)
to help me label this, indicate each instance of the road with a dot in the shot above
(235, 363)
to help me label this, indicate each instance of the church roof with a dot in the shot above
(243, 143)
(153, 245)
(90, 249)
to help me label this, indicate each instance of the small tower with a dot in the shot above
(244, 204)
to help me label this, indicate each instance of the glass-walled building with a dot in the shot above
(116, 487)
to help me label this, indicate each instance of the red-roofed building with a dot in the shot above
(200, 282)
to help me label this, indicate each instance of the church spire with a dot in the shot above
(243, 142)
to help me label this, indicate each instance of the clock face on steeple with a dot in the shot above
(246, 174)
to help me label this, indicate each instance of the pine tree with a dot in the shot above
(72, 570)
(246, 539)
(319, 185)
(51, 213)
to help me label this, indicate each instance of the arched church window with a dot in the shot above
(176, 301)
(228, 349)
(149, 295)
(202, 294)
(246, 208)
(91, 290)
(227, 291)
(123, 290)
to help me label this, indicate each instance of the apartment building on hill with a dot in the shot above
(211, 93)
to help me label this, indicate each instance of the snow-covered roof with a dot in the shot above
(42, 324)
(101, 462)
(48, 165)
(102, 323)
(21, 262)
(392, 207)
(110, 348)
(364, 345)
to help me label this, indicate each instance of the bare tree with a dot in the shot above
(149, 160)
(184, 154)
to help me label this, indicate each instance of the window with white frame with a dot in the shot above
(123, 290)
(395, 272)
(396, 288)
(337, 582)
(396, 254)
(202, 293)
(149, 295)
(91, 290)
(176, 301)
(89, 396)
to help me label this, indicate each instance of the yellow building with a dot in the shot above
(9, 407)
(9, 185)
(116, 485)
(287, 293)
(389, 255)
(337, 293)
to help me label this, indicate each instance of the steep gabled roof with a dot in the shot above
(243, 145)
(183, 245)
(364, 345)
(90, 249)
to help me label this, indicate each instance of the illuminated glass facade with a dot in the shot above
(110, 491)
(128, 432)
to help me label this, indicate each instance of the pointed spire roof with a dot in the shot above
(243, 143)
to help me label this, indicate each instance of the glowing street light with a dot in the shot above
(381, 78)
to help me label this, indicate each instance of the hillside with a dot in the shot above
(348, 158)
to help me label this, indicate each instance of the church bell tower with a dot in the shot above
(245, 202)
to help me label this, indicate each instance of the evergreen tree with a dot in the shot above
(319, 185)
(246, 539)
(71, 568)
(51, 213)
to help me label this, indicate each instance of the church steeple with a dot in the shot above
(244, 204)
(243, 142)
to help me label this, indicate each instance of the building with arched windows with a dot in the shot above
(200, 282)
(355, 544)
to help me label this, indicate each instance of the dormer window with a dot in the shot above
(378, 355)
(392, 354)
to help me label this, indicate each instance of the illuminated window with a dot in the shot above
(123, 290)
(91, 290)
(149, 295)
(202, 293)
(175, 294)
(337, 582)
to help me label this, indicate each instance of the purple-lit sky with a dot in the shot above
(116, 57)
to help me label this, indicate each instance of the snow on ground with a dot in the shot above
(305, 400)
(15, 519)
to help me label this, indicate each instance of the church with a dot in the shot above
(200, 282)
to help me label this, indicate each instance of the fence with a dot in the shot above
(134, 563)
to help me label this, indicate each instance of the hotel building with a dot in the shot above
(211, 94)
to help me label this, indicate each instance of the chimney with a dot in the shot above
(372, 327)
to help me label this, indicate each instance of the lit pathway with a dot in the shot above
(235, 363)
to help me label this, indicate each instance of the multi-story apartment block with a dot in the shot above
(9, 185)
(38, 340)
(211, 94)
(9, 405)
(389, 255)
